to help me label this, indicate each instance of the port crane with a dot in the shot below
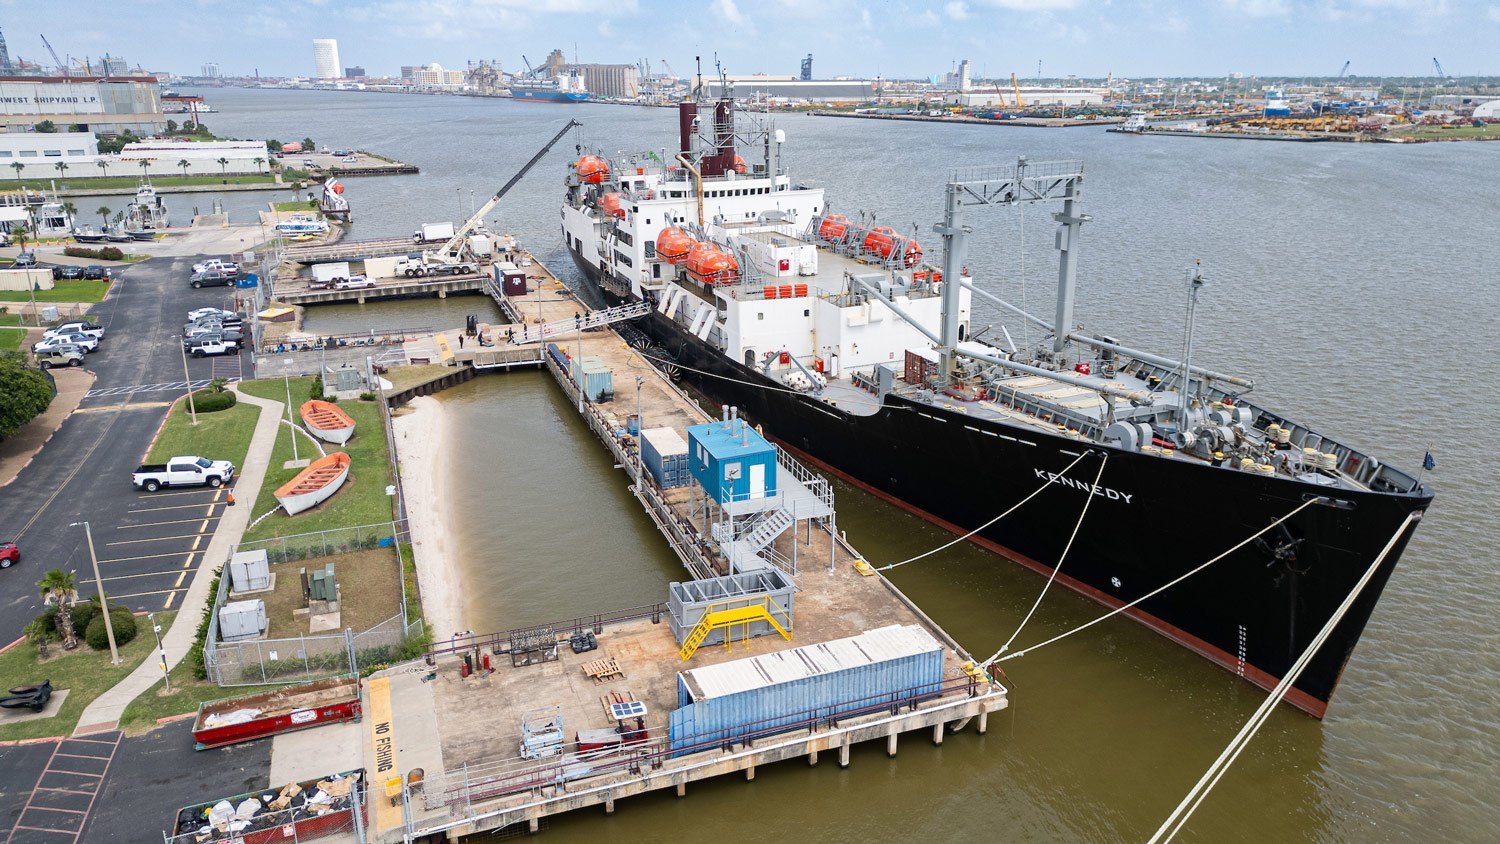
(449, 258)
(1015, 85)
(62, 66)
(1345, 70)
(1435, 63)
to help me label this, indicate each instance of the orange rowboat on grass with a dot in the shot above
(327, 421)
(315, 484)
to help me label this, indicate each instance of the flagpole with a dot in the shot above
(1426, 461)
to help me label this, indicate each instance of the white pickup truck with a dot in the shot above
(188, 470)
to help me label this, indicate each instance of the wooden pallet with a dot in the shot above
(614, 696)
(602, 669)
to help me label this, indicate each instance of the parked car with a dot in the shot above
(206, 312)
(216, 264)
(77, 326)
(308, 162)
(68, 271)
(229, 337)
(214, 348)
(353, 282)
(214, 278)
(349, 159)
(189, 470)
(83, 342)
(95, 271)
(9, 554)
(211, 325)
(25, 259)
(60, 356)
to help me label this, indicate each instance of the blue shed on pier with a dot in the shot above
(731, 461)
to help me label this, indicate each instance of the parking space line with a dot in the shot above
(151, 495)
(171, 507)
(181, 576)
(63, 790)
(204, 527)
(141, 557)
(188, 563)
(174, 522)
(166, 573)
(44, 829)
(196, 541)
(143, 594)
(80, 756)
(157, 539)
(168, 604)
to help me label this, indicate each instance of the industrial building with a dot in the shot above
(791, 88)
(39, 153)
(92, 103)
(240, 157)
(326, 58)
(1005, 96)
(621, 81)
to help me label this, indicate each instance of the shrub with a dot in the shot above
(107, 253)
(112, 253)
(43, 628)
(367, 396)
(316, 390)
(124, 625)
(208, 401)
(200, 669)
(83, 612)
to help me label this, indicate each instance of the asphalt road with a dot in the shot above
(148, 545)
(92, 790)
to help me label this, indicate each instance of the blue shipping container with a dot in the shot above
(737, 700)
(596, 380)
(665, 455)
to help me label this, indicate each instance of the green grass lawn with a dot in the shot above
(10, 339)
(224, 435)
(9, 319)
(63, 290)
(186, 695)
(1491, 130)
(87, 673)
(78, 181)
(299, 205)
(362, 501)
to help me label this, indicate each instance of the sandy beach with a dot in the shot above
(421, 449)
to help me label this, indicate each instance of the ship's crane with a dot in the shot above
(62, 66)
(1345, 69)
(446, 258)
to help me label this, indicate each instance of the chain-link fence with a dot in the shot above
(323, 543)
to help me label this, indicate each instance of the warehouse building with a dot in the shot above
(793, 89)
(92, 103)
(1003, 96)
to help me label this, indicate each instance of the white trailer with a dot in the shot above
(325, 274)
(433, 233)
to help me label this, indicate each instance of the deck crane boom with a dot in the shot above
(455, 244)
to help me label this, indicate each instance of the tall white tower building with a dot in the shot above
(326, 58)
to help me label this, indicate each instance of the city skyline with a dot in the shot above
(1086, 38)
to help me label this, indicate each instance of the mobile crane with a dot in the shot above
(454, 257)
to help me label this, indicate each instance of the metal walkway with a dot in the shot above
(583, 322)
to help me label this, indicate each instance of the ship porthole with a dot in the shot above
(1115, 581)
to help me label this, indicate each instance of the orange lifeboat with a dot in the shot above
(711, 265)
(739, 164)
(591, 169)
(882, 241)
(673, 245)
(610, 205)
(338, 188)
(833, 227)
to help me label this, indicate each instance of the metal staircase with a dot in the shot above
(592, 319)
(755, 537)
(730, 617)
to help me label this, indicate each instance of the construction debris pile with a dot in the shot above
(324, 801)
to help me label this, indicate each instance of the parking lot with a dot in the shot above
(83, 473)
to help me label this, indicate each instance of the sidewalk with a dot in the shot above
(17, 452)
(105, 711)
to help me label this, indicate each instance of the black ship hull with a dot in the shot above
(1153, 519)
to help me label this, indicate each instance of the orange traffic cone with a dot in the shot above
(231, 498)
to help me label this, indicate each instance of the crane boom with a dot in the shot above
(63, 68)
(1346, 69)
(456, 242)
(1435, 63)
(1015, 85)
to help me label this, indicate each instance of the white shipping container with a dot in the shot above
(872, 646)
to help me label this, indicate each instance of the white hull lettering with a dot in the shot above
(1095, 489)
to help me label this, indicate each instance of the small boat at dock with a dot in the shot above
(315, 484)
(327, 421)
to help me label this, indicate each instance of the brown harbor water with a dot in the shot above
(1356, 283)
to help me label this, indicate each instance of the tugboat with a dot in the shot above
(856, 352)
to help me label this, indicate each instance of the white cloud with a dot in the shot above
(957, 11)
(1494, 14)
(731, 13)
(1260, 8)
(865, 20)
(1034, 5)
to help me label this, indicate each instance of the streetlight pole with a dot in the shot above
(188, 385)
(288, 381)
(640, 429)
(109, 628)
(160, 651)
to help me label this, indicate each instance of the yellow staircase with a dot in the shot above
(728, 618)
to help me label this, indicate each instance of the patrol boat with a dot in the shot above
(1148, 484)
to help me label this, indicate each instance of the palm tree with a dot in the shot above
(104, 213)
(72, 211)
(18, 167)
(102, 165)
(62, 168)
(258, 162)
(223, 166)
(59, 587)
(184, 164)
(18, 234)
(145, 165)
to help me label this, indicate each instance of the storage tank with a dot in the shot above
(665, 455)
(240, 620)
(776, 692)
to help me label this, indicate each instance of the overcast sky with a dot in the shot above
(1131, 38)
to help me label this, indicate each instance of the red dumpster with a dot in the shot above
(234, 720)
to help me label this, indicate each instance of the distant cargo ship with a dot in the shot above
(562, 89)
(1277, 104)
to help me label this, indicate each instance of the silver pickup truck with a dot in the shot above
(188, 470)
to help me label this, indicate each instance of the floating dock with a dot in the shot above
(782, 643)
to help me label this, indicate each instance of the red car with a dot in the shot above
(9, 554)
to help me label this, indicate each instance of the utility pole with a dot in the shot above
(109, 628)
(188, 385)
(161, 652)
(287, 380)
